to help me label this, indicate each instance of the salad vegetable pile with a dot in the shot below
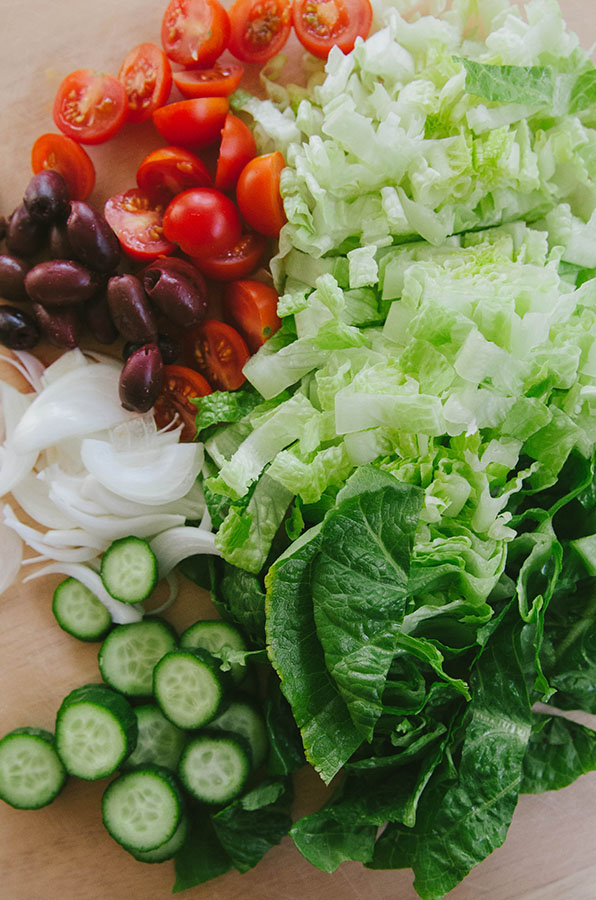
(392, 504)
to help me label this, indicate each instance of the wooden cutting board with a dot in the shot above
(63, 852)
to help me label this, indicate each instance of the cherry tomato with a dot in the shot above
(219, 352)
(90, 107)
(56, 151)
(219, 81)
(174, 404)
(138, 223)
(171, 170)
(240, 261)
(238, 147)
(203, 221)
(258, 196)
(322, 24)
(147, 78)
(251, 307)
(195, 32)
(192, 123)
(259, 29)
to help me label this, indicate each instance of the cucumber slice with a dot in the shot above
(96, 729)
(214, 768)
(130, 652)
(129, 569)
(79, 612)
(243, 718)
(214, 635)
(188, 687)
(142, 809)
(31, 772)
(160, 742)
(167, 850)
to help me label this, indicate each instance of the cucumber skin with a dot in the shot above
(167, 850)
(48, 737)
(113, 636)
(105, 562)
(57, 612)
(212, 663)
(165, 775)
(218, 736)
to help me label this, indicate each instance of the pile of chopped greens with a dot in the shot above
(404, 491)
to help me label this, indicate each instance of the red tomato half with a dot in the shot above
(322, 24)
(171, 170)
(219, 81)
(90, 107)
(56, 151)
(238, 147)
(258, 195)
(174, 403)
(219, 352)
(192, 123)
(147, 77)
(251, 307)
(240, 261)
(260, 28)
(195, 32)
(138, 223)
(203, 221)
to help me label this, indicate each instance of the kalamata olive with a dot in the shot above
(58, 242)
(141, 379)
(3, 227)
(61, 282)
(178, 289)
(46, 197)
(61, 326)
(91, 238)
(130, 309)
(12, 277)
(24, 236)
(98, 319)
(18, 330)
(169, 348)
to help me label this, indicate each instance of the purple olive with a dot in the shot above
(169, 348)
(25, 236)
(141, 379)
(3, 227)
(18, 330)
(130, 309)
(92, 240)
(47, 197)
(178, 289)
(58, 242)
(61, 326)
(12, 277)
(61, 282)
(98, 319)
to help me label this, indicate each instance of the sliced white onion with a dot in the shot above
(67, 362)
(28, 366)
(121, 613)
(32, 495)
(176, 544)
(173, 585)
(14, 465)
(191, 506)
(11, 556)
(154, 475)
(38, 542)
(75, 537)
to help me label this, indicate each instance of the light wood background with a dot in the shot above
(63, 851)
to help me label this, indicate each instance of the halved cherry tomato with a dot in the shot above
(171, 170)
(219, 81)
(240, 261)
(203, 221)
(258, 195)
(322, 24)
(147, 77)
(238, 146)
(195, 32)
(219, 352)
(90, 107)
(251, 307)
(138, 223)
(56, 151)
(180, 384)
(192, 123)
(260, 28)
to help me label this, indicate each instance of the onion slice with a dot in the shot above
(11, 556)
(121, 613)
(176, 544)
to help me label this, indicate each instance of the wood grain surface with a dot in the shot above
(63, 852)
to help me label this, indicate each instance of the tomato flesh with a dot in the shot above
(174, 404)
(322, 24)
(138, 223)
(56, 151)
(258, 195)
(192, 123)
(259, 29)
(195, 32)
(147, 78)
(90, 107)
(251, 306)
(238, 147)
(219, 353)
(203, 221)
(238, 262)
(218, 81)
(169, 171)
